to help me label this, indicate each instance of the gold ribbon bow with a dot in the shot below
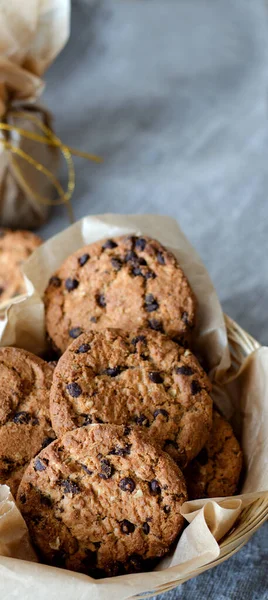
(50, 139)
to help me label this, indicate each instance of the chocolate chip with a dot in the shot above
(161, 411)
(184, 370)
(127, 430)
(131, 239)
(74, 390)
(166, 509)
(142, 261)
(98, 420)
(45, 500)
(35, 421)
(106, 469)
(112, 371)
(22, 418)
(154, 487)
(93, 319)
(113, 569)
(142, 420)
(144, 357)
(155, 377)
(127, 485)
(59, 558)
(47, 441)
(119, 451)
(138, 338)
(136, 271)
(84, 467)
(36, 519)
(195, 387)
(116, 264)
(179, 339)
(39, 465)
(160, 258)
(140, 244)
(100, 299)
(185, 318)
(135, 563)
(55, 281)
(87, 419)
(149, 275)
(131, 256)
(83, 349)
(83, 259)
(170, 443)
(146, 528)
(127, 527)
(151, 303)
(8, 461)
(97, 545)
(75, 332)
(69, 487)
(23, 498)
(155, 325)
(71, 284)
(202, 457)
(2, 289)
(109, 244)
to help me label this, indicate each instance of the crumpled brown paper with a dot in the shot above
(14, 537)
(208, 535)
(32, 33)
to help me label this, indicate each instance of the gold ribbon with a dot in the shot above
(49, 139)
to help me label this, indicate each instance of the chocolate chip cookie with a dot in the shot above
(25, 425)
(125, 282)
(216, 470)
(15, 248)
(142, 379)
(102, 500)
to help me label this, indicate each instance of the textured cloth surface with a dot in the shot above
(173, 95)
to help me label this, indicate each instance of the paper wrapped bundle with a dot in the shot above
(216, 527)
(31, 35)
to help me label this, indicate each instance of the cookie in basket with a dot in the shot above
(125, 282)
(216, 470)
(143, 380)
(25, 425)
(15, 248)
(102, 500)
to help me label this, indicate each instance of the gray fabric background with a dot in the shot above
(173, 96)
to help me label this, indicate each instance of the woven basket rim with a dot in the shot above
(241, 344)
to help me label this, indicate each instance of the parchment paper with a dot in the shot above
(244, 398)
(14, 537)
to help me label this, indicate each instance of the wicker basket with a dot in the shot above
(241, 345)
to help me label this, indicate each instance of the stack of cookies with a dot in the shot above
(129, 409)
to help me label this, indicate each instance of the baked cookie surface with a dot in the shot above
(15, 248)
(25, 425)
(216, 470)
(125, 282)
(143, 380)
(102, 500)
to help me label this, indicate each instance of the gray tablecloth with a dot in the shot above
(173, 96)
